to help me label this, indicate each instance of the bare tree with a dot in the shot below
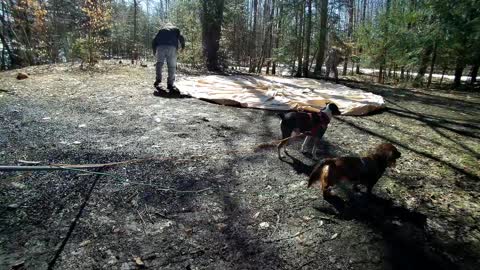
(322, 37)
(211, 19)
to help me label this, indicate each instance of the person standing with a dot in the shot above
(165, 46)
(334, 58)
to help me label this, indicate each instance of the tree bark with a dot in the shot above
(458, 72)
(474, 73)
(423, 65)
(380, 74)
(270, 40)
(351, 4)
(443, 74)
(253, 49)
(277, 38)
(211, 19)
(432, 66)
(307, 39)
(383, 59)
(135, 7)
(300, 45)
(360, 50)
(7, 48)
(322, 39)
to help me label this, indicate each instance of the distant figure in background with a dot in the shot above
(165, 46)
(334, 58)
(135, 56)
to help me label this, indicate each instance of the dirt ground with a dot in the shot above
(200, 198)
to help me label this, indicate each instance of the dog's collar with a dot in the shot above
(364, 163)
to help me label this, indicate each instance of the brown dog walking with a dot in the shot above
(357, 170)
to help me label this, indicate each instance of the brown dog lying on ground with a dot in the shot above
(358, 170)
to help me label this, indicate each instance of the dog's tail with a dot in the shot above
(318, 170)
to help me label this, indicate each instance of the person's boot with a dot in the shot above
(159, 91)
(173, 89)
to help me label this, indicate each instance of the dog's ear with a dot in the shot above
(315, 175)
(389, 151)
(334, 108)
(317, 171)
(395, 153)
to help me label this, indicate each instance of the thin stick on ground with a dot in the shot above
(275, 143)
(143, 221)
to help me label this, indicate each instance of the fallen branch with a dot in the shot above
(28, 162)
(81, 168)
(143, 221)
(9, 168)
(54, 166)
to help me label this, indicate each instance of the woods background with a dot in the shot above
(398, 38)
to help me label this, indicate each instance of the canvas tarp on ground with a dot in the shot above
(279, 93)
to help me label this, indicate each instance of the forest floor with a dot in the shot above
(247, 210)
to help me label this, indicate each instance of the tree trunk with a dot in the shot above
(307, 39)
(7, 48)
(458, 72)
(423, 65)
(322, 39)
(253, 49)
(402, 73)
(313, 57)
(300, 45)
(4, 43)
(270, 40)
(360, 50)
(277, 38)
(380, 74)
(345, 66)
(357, 70)
(351, 4)
(364, 9)
(432, 66)
(443, 74)
(135, 7)
(211, 20)
(474, 73)
(383, 59)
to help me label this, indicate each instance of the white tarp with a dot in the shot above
(279, 93)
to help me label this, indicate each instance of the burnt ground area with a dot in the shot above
(201, 198)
